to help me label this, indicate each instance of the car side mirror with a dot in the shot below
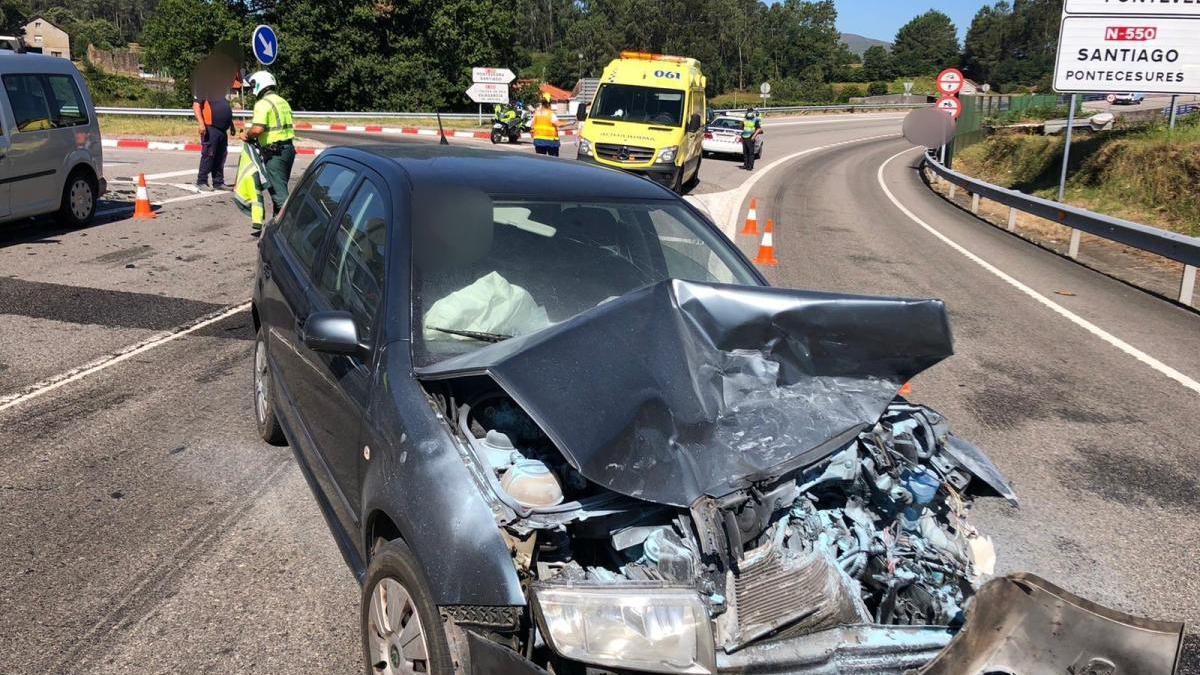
(693, 124)
(332, 333)
(581, 113)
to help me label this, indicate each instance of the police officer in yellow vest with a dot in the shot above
(545, 129)
(751, 130)
(271, 129)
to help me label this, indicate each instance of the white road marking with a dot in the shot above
(185, 198)
(725, 208)
(75, 374)
(1067, 314)
(169, 174)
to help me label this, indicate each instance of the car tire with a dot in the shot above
(266, 416)
(79, 198)
(677, 182)
(396, 607)
(758, 153)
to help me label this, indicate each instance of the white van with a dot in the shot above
(50, 155)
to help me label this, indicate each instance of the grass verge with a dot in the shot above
(1148, 174)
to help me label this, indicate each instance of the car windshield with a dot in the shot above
(486, 269)
(726, 123)
(645, 105)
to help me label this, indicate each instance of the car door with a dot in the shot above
(291, 252)
(351, 279)
(34, 163)
(6, 164)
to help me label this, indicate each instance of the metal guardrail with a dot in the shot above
(783, 110)
(1178, 247)
(187, 112)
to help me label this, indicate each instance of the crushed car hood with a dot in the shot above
(683, 389)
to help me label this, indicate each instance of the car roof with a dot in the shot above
(501, 172)
(11, 62)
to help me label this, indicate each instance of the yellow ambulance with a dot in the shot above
(647, 117)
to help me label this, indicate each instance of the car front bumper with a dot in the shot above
(663, 174)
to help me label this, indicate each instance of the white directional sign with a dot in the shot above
(492, 75)
(488, 92)
(1102, 54)
(950, 81)
(950, 105)
(1128, 8)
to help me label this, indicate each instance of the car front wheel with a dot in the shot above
(401, 629)
(264, 394)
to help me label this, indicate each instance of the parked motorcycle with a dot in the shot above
(510, 123)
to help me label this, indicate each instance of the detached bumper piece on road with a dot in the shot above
(1024, 624)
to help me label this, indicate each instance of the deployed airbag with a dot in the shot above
(490, 305)
(683, 389)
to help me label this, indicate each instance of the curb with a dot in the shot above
(142, 144)
(372, 129)
(139, 144)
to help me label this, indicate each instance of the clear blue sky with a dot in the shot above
(880, 19)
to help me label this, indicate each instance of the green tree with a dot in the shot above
(877, 89)
(181, 33)
(1013, 45)
(925, 45)
(102, 33)
(13, 16)
(877, 64)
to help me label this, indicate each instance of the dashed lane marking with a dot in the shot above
(62, 379)
(1067, 314)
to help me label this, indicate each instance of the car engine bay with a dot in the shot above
(876, 532)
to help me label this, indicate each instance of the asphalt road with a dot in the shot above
(147, 530)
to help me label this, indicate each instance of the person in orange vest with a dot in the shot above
(214, 118)
(545, 129)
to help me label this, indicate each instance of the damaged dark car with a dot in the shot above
(558, 423)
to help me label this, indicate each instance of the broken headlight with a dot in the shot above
(659, 630)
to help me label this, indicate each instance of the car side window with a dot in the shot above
(310, 212)
(67, 108)
(352, 277)
(28, 99)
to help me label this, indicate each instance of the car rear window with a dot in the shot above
(67, 108)
(726, 123)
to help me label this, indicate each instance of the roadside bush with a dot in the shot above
(847, 93)
(877, 89)
(108, 89)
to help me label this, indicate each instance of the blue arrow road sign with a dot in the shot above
(266, 45)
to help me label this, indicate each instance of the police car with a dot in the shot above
(723, 136)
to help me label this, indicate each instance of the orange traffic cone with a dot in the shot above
(766, 250)
(141, 206)
(751, 227)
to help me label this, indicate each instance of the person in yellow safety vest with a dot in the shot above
(249, 185)
(751, 130)
(271, 128)
(545, 129)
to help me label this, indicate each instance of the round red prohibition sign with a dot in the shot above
(950, 105)
(950, 81)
